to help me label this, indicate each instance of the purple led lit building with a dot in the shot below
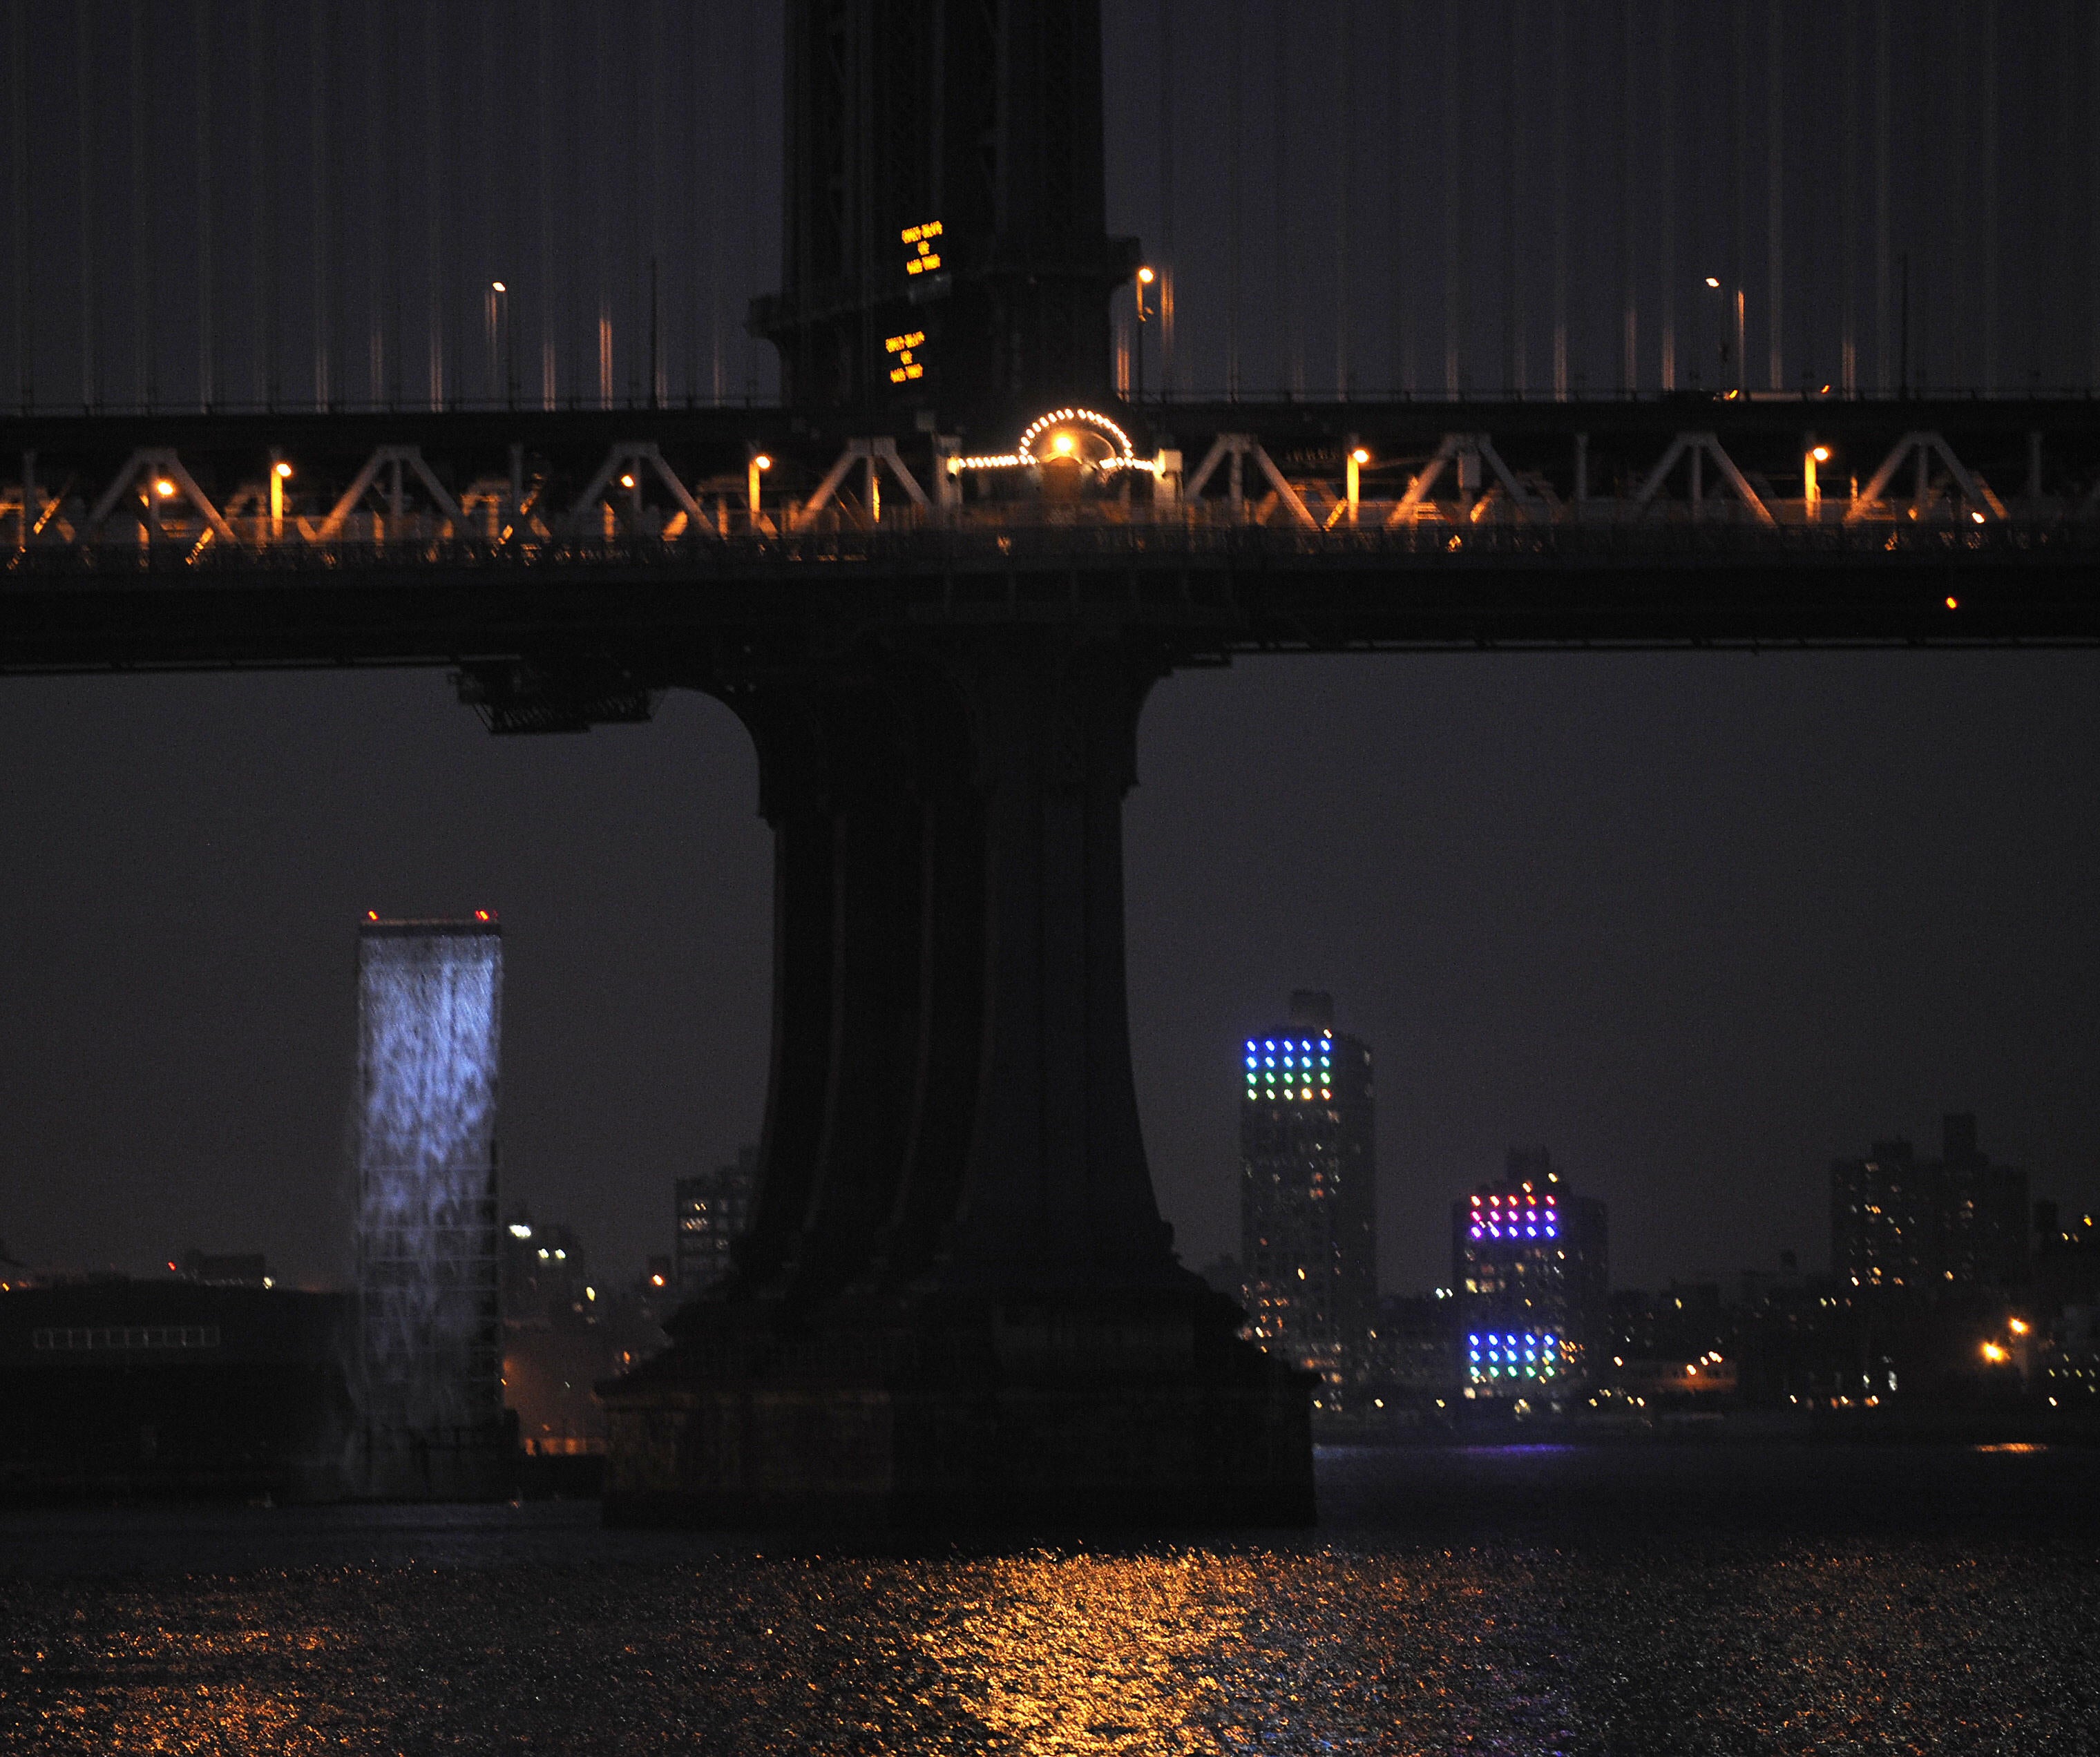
(1529, 1266)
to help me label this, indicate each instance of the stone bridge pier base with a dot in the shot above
(957, 1303)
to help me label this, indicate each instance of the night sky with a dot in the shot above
(1697, 923)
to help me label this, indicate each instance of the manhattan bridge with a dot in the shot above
(935, 580)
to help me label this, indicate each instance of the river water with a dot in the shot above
(1678, 1599)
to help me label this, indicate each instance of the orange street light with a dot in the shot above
(759, 462)
(1146, 278)
(1358, 457)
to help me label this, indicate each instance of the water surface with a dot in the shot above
(1677, 1600)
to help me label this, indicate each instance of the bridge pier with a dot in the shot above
(958, 1303)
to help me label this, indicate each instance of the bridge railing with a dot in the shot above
(429, 546)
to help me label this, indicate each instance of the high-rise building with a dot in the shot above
(1307, 1194)
(430, 1383)
(545, 1279)
(1529, 1265)
(713, 1208)
(1929, 1227)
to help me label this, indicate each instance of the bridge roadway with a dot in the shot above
(503, 543)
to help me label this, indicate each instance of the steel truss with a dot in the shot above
(221, 492)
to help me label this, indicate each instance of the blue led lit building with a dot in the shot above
(1529, 1265)
(1307, 1199)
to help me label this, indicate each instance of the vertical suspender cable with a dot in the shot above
(1739, 117)
(1399, 137)
(25, 340)
(1346, 117)
(1560, 200)
(86, 95)
(1665, 233)
(657, 387)
(145, 367)
(1848, 209)
(1775, 216)
(746, 255)
(1454, 177)
(317, 108)
(202, 76)
(1987, 209)
(433, 206)
(1166, 200)
(1514, 363)
(380, 206)
(545, 292)
(1235, 185)
(262, 222)
(1628, 160)
(1289, 365)
(1884, 354)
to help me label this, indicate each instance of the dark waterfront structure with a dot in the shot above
(114, 1387)
(1530, 1267)
(956, 1298)
(1929, 1227)
(430, 1382)
(712, 1210)
(1308, 1200)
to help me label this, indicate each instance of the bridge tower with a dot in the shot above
(944, 179)
(957, 1301)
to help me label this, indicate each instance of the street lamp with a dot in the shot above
(760, 462)
(1145, 277)
(1358, 457)
(1714, 284)
(1811, 491)
(502, 348)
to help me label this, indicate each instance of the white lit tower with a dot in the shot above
(1308, 1199)
(430, 1025)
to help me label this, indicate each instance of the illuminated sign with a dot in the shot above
(1290, 1070)
(920, 257)
(1065, 428)
(903, 347)
(1494, 1355)
(1515, 1217)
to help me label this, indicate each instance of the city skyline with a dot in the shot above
(1699, 922)
(638, 1035)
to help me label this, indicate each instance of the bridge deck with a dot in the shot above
(623, 542)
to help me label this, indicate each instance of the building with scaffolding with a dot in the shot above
(430, 1375)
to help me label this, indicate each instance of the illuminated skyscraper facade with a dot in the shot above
(1529, 1265)
(1307, 1194)
(429, 1022)
(713, 1208)
(1929, 1227)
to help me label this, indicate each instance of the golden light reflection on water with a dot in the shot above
(220, 1686)
(1505, 1650)
(1087, 1653)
